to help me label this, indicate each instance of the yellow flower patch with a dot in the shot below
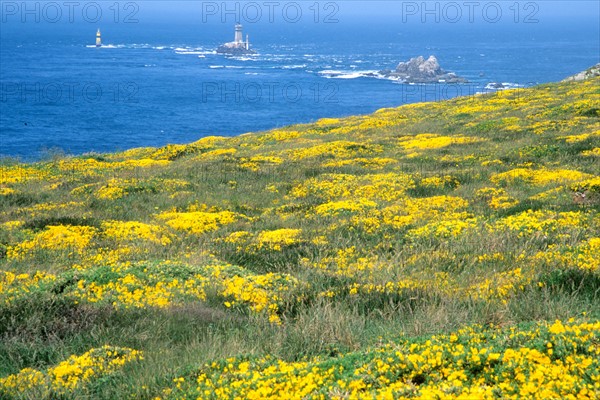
(438, 182)
(385, 187)
(545, 222)
(578, 138)
(546, 361)
(6, 191)
(412, 211)
(261, 292)
(134, 230)
(168, 284)
(277, 239)
(69, 375)
(21, 173)
(254, 163)
(60, 237)
(500, 287)
(430, 141)
(539, 176)
(345, 206)
(279, 136)
(336, 150)
(595, 152)
(14, 286)
(216, 154)
(446, 228)
(497, 198)
(130, 291)
(198, 222)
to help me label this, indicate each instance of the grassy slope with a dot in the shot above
(308, 241)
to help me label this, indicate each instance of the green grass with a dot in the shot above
(45, 326)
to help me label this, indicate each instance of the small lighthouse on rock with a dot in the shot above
(238, 46)
(98, 39)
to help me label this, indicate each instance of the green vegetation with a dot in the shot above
(438, 249)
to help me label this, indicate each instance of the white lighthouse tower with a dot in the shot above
(238, 34)
(98, 39)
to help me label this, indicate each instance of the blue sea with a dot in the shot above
(157, 79)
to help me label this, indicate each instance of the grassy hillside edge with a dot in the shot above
(435, 250)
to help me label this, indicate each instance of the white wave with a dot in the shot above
(276, 59)
(336, 74)
(298, 66)
(122, 46)
(349, 76)
(330, 72)
(216, 66)
(244, 58)
(176, 49)
(371, 74)
(107, 46)
(199, 51)
(190, 52)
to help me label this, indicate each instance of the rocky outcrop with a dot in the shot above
(587, 74)
(234, 49)
(421, 70)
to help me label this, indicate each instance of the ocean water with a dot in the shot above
(161, 82)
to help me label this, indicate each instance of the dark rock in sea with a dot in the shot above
(371, 75)
(496, 85)
(234, 50)
(421, 70)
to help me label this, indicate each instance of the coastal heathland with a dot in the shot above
(435, 250)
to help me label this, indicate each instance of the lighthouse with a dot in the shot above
(98, 39)
(238, 34)
(239, 46)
